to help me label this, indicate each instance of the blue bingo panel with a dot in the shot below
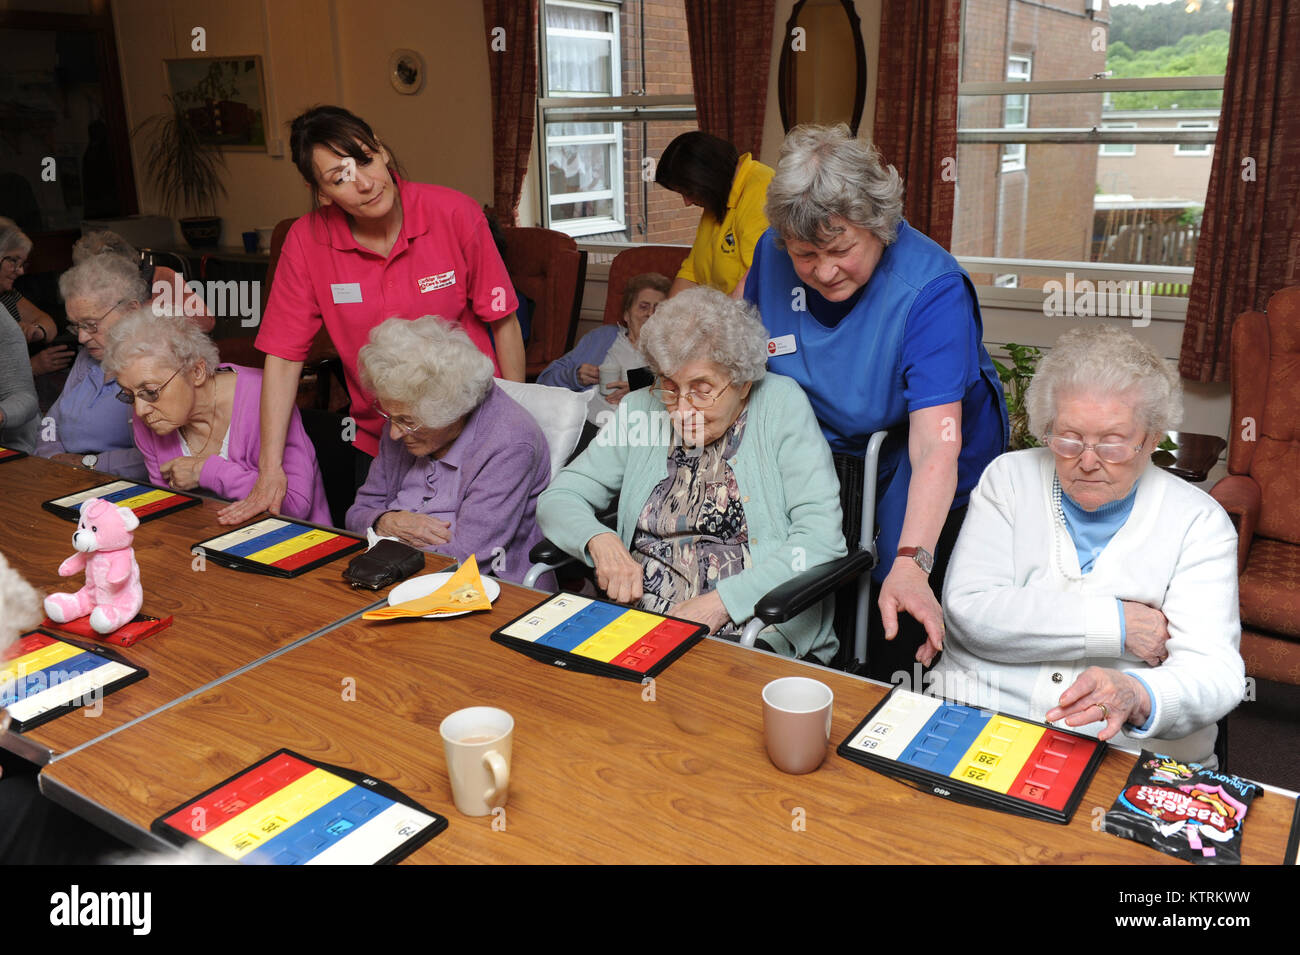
(313, 835)
(578, 628)
(945, 738)
(263, 541)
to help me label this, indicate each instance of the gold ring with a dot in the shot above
(1105, 713)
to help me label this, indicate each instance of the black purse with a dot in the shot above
(386, 563)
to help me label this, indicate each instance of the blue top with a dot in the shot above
(910, 339)
(590, 350)
(1091, 531)
(88, 419)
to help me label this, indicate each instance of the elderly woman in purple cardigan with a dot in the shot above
(197, 422)
(461, 464)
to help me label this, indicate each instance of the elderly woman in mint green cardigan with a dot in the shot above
(724, 482)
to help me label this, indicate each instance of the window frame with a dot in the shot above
(1202, 149)
(1014, 155)
(1130, 149)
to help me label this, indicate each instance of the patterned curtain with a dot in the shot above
(1250, 233)
(511, 29)
(731, 49)
(916, 107)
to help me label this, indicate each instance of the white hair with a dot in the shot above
(20, 605)
(102, 241)
(824, 172)
(1102, 360)
(428, 364)
(12, 238)
(173, 338)
(702, 324)
(105, 280)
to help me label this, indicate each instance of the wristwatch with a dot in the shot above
(924, 559)
(89, 461)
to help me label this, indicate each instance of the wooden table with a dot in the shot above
(603, 770)
(224, 619)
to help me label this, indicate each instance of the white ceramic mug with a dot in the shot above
(478, 741)
(797, 723)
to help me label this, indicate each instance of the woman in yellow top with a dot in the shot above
(708, 172)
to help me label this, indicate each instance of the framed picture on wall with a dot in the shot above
(224, 98)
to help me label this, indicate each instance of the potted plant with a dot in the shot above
(186, 173)
(1015, 382)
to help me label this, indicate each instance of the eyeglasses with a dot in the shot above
(18, 263)
(149, 395)
(698, 400)
(406, 424)
(92, 327)
(1071, 448)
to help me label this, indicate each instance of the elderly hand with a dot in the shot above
(266, 495)
(907, 590)
(1146, 631)
(418, 530)
(588, 374)
(616, 391)
(54, 358)
(706, 609)
(68, 458)
(617, 573)
(1106, 695)
(182, 473)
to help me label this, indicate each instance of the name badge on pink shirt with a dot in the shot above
(345, 292)
(431, 283)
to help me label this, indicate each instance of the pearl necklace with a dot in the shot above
(1059, 526)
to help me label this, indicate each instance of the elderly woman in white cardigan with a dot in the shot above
(1089, 586)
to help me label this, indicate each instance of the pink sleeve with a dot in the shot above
(293, 315)
(147, 443)
(491, 294)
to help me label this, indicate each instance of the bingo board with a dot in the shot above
(44, 676)
(145, 501)
(279, 546)
(290, 810)
(9, 454)
(976, 756)
(596, 636)
(1292, 856)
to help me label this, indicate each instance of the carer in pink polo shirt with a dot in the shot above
(377, 247)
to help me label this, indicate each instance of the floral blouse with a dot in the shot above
(692, 531)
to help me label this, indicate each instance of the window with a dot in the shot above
(1117, 149)
(1016, 112)
(584, 161)
(1194, 149)
(1007, 280)
(613, 95)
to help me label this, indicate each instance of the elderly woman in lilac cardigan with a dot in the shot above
(197, 422)
(461, 465)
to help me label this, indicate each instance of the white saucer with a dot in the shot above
(426, 584)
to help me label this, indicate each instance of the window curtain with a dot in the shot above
(513, 72)
(915, 126)
(1250, 232)
(731, 51)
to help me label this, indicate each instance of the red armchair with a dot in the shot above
(664, 259)
(550, 269)
(1262, 489)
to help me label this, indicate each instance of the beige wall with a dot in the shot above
(323, 51)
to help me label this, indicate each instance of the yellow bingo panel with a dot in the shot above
(998, 754)
(617, 635)
(241, 835)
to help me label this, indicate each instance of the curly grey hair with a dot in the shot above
(702, 324)
(102, 241)
(173, 338)
(19, 605)
(12, 238)
(825, 171)
(428, 364)
(105, 280)
(1102, 360)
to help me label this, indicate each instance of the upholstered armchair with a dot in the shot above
(664, 259)
(549, 268)
(1262, 489)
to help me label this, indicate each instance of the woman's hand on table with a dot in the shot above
(418, 530)
(907, 590)
(54, 358)
(1146, 631)
(706, 609)
(267, 495)
(182, 473)
(1103, 694)
(68, 458)
(617, 573)
(588, 374)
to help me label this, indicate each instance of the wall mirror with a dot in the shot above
(823, 69)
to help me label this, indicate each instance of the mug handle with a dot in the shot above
(500, 770)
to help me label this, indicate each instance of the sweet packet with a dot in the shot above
(1183, 809)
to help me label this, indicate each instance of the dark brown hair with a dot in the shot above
(341, 132)
(639, 283)
(699, 166)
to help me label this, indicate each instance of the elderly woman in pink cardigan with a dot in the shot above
(197, 422)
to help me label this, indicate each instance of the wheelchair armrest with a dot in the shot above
(551, 556)
(798, 594)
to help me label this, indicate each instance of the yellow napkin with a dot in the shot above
(464, 591)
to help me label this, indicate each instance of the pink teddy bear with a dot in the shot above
(112, 595)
